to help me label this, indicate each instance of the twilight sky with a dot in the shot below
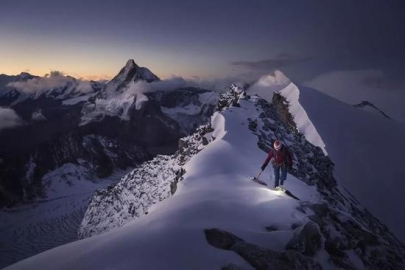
(210, 38)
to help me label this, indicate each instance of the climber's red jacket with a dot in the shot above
(280, 157)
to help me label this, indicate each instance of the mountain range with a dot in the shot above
(90, 128)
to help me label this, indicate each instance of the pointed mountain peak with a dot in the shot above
(131, 64)
(141, 73)
(130, 73)
(133, 72)
(127, 72)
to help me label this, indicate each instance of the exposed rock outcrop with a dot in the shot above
(258, 257)
(367, 104)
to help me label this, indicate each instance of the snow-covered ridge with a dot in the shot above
(266, 86)
(302, 121)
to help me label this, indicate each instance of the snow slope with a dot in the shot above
(216, 192)
(368, 153)
(354, 86)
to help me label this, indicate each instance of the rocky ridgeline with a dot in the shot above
(258, 257)
(337, 224)
(145, 186)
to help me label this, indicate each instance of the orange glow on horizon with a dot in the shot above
(40, 59)
(15, 69)
(90, 61)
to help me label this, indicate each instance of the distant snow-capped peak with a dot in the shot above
(141, 73)
(131, 72)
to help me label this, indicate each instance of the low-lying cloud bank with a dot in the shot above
(170, 84)
(9, 118)
(50, 81)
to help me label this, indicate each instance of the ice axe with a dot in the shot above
(258, 176)
(256, 179)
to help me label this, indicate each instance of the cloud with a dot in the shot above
(38, 116)
(271, 64)
(222, 84)
(84, 87)
(96, 78)
(164, 85)
(50, 81)
(214, 84)
(9, 118)
(380, 81)
(171, 84)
